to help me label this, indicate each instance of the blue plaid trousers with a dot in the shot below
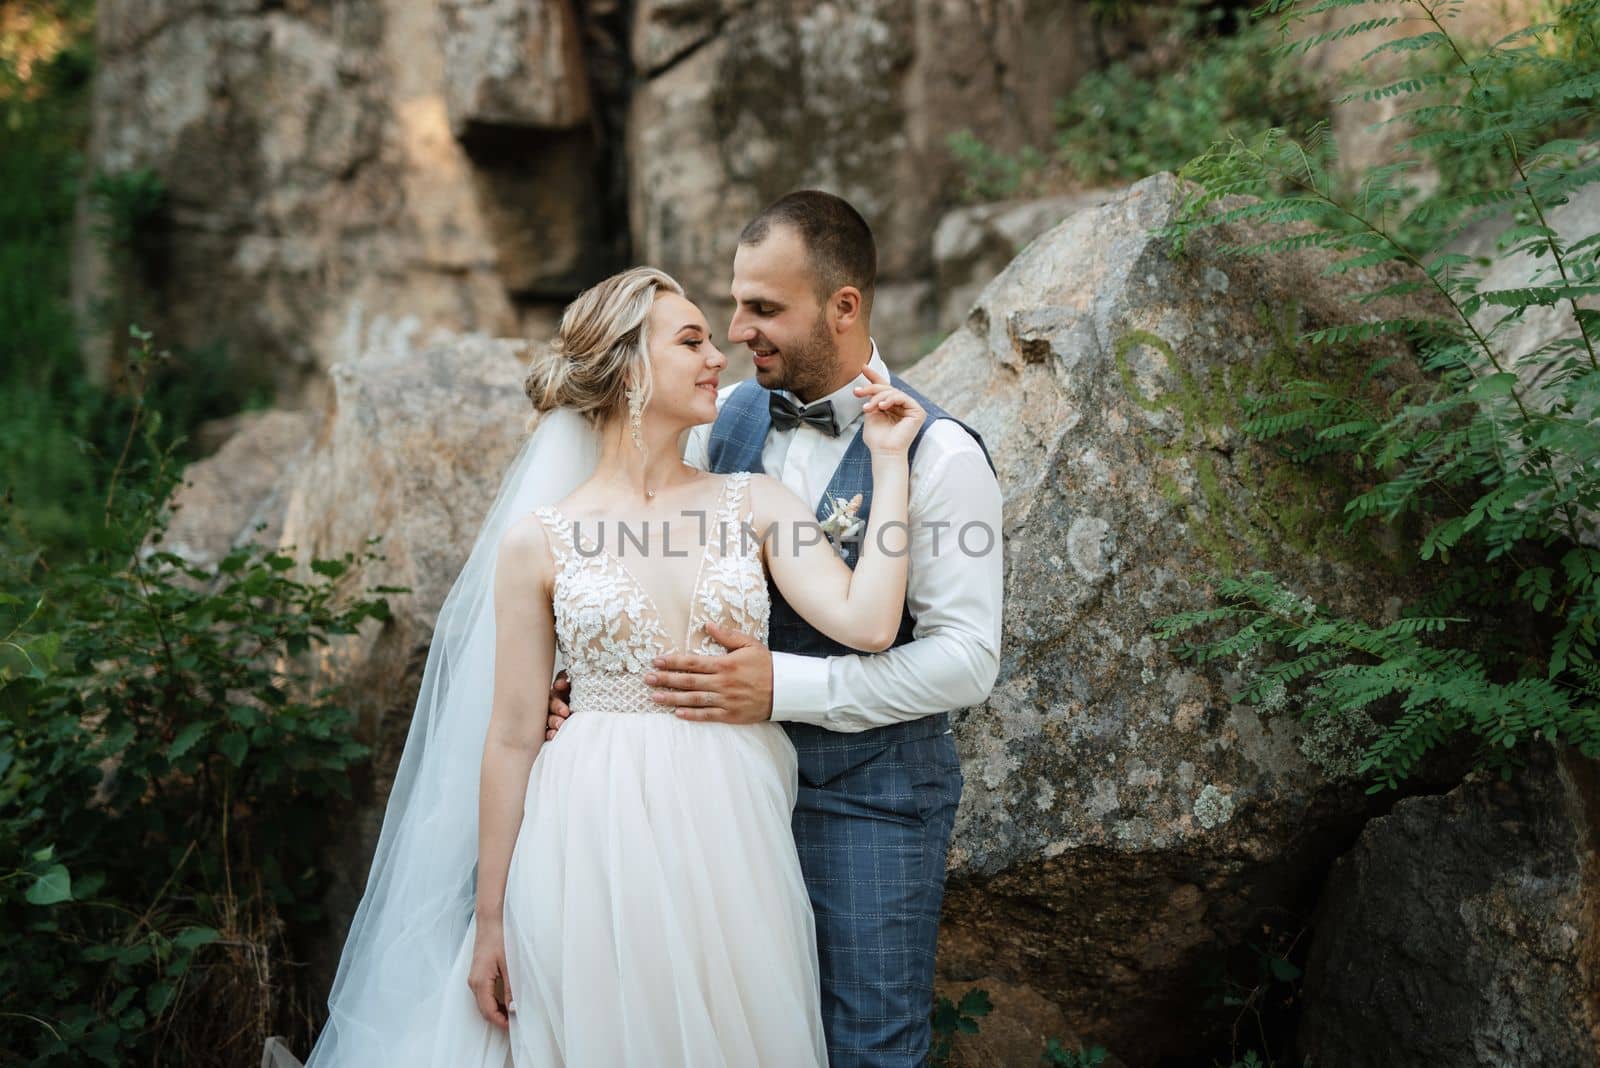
(872, 825)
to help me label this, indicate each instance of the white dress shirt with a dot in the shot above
(953, 582)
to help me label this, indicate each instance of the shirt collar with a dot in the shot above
(847, 406)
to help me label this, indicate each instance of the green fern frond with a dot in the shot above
(1415, 43)
(1354, 29)
(1498, 463)
(1409, 86)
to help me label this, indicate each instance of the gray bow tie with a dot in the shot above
(786, 414)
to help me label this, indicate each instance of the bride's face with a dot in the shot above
(684, 362)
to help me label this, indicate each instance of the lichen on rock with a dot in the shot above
(1108, 376)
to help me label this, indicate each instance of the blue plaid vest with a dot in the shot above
(736, 441)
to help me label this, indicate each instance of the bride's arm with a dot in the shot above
(524, 657)
(860, 608)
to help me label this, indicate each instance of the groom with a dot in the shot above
(879, 777)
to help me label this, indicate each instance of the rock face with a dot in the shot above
(348, 159)
(1124, 817)
(1464, 929)
(475, 163)
(1537, 326)
(243, 486)
(420, 429)
(745, 100)
(419, 432)
(973, 244)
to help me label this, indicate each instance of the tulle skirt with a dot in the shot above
(655, 911)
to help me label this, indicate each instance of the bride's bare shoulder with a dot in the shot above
(525, 547)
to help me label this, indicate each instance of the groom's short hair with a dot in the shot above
(837, 239)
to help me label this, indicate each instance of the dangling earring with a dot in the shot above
(635, 422)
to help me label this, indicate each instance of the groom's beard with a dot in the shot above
(808, 367)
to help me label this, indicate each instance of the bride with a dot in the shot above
(629, 893)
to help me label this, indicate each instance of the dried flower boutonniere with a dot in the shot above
(842, 523)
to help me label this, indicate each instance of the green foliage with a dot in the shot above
(58, 430)
(130, 204)
(951, 1019)
(988, 174)
(1534, 88)
(165, 768)
(1135, 117)
(45, 407)
(165, 774)
(1058, 1056)
(1499, 449)
(1258, 984)
(1124, 122)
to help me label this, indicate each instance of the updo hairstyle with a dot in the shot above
(601, 348)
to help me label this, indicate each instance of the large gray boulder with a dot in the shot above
(419, 427)
(1125, 818)
(974, 243)
(240, 493)
(420, 430)
(1464, 929)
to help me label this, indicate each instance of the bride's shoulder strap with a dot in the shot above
(734, 500)
(738, 508)
(560, 534)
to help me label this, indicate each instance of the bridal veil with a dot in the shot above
(418, 903)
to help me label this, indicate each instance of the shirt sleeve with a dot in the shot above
(953, 588)
(697, 449)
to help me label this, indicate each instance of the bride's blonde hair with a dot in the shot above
(602, 348)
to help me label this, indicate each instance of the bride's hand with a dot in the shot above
(489, 965)
(893, 418)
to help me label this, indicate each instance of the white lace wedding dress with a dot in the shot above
(655, 912)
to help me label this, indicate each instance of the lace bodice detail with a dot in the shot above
(607, 626)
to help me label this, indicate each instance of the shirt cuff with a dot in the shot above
(799, 688)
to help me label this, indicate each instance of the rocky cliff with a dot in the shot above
(474, 163)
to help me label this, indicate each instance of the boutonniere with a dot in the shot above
(842, 522)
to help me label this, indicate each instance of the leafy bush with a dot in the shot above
(165, 772)
(1124, 122)
(1502, 447)
(58, 429)
(45, 406)
(1139, 116)
(988, 174)
(1057, 1055)
(950, 1019)
(1517, 90)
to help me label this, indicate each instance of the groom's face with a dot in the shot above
(779, 318)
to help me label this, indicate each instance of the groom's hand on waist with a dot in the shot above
(558, 712)
(733, 688)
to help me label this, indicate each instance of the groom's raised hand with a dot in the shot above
(733, 688)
